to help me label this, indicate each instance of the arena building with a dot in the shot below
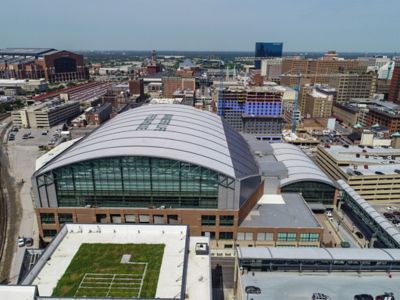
(166, 164)
(36, 63)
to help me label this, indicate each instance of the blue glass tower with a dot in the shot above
(265, 50)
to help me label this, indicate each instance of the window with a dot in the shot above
(245, 236)
(101, 218)
(47, 218)
(158, 219)
(65, 218)
(226, 235)
(173, 219)
(130, 218)
(265, 236)
(144, 219)
(49, 232)
(210, 234)
(116, 218)
(208, 220)
(309, 237)
(284, 236)
(226, 220)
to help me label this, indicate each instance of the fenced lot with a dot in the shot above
(97, 270)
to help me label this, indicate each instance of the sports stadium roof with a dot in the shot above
(177, 132)
(300, 166)
(25, 51)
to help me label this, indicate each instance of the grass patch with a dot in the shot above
(106, 259)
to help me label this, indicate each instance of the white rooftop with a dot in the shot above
(66, 244)
(16, 292)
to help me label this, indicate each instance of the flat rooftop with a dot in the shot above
(339, 286)
(385, 169)
(284, 210)
(175, 264)
(375, 155)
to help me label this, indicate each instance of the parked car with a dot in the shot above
(363, 297)
(345, 244)
(386, 296)
(250, 289)
(388, 215)
(359, 235)
(29, 242)
(21, 241)
(320, 296)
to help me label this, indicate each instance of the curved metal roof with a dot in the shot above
(300, 166)
(171, 131)
(381, 221)
(329, 254)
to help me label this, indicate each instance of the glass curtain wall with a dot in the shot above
(312, 192)
(134, 182)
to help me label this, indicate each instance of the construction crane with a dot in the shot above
(295, 112)
(221, 104)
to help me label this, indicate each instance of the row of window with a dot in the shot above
(209, 220)
(281, 236)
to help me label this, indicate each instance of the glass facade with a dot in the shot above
(309, 237)
(286, 236)
(264, 50)
(226, 220)
(47, 218)
(312, 192)
(134, 182)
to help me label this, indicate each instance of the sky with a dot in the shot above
(201, 25)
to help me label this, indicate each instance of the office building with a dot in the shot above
(46, 115)
(383, 65)
(267, 50)
(175, 266)
(371, 171)
(172, 84)
(387, 115)
(36, 63)
(317, 103)
(99, 114)
(394, 90)
(136, 88)
(167, 164)
(254, 110)
(39, 85)
(314, 71)
(353, 85)
(271, 68)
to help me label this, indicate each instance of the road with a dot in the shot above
(222, 277)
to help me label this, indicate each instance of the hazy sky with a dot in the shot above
(302, 25)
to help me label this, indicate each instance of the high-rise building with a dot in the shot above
(394, 91)
(353, 85)
(316, 70)
(318, 103)
(271, 68)
(267, 50)
(254, 110)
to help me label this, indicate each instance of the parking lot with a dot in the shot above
(22, 155)
(33, 136)
(391, 213)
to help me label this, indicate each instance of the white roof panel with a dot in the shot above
(172, 131)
